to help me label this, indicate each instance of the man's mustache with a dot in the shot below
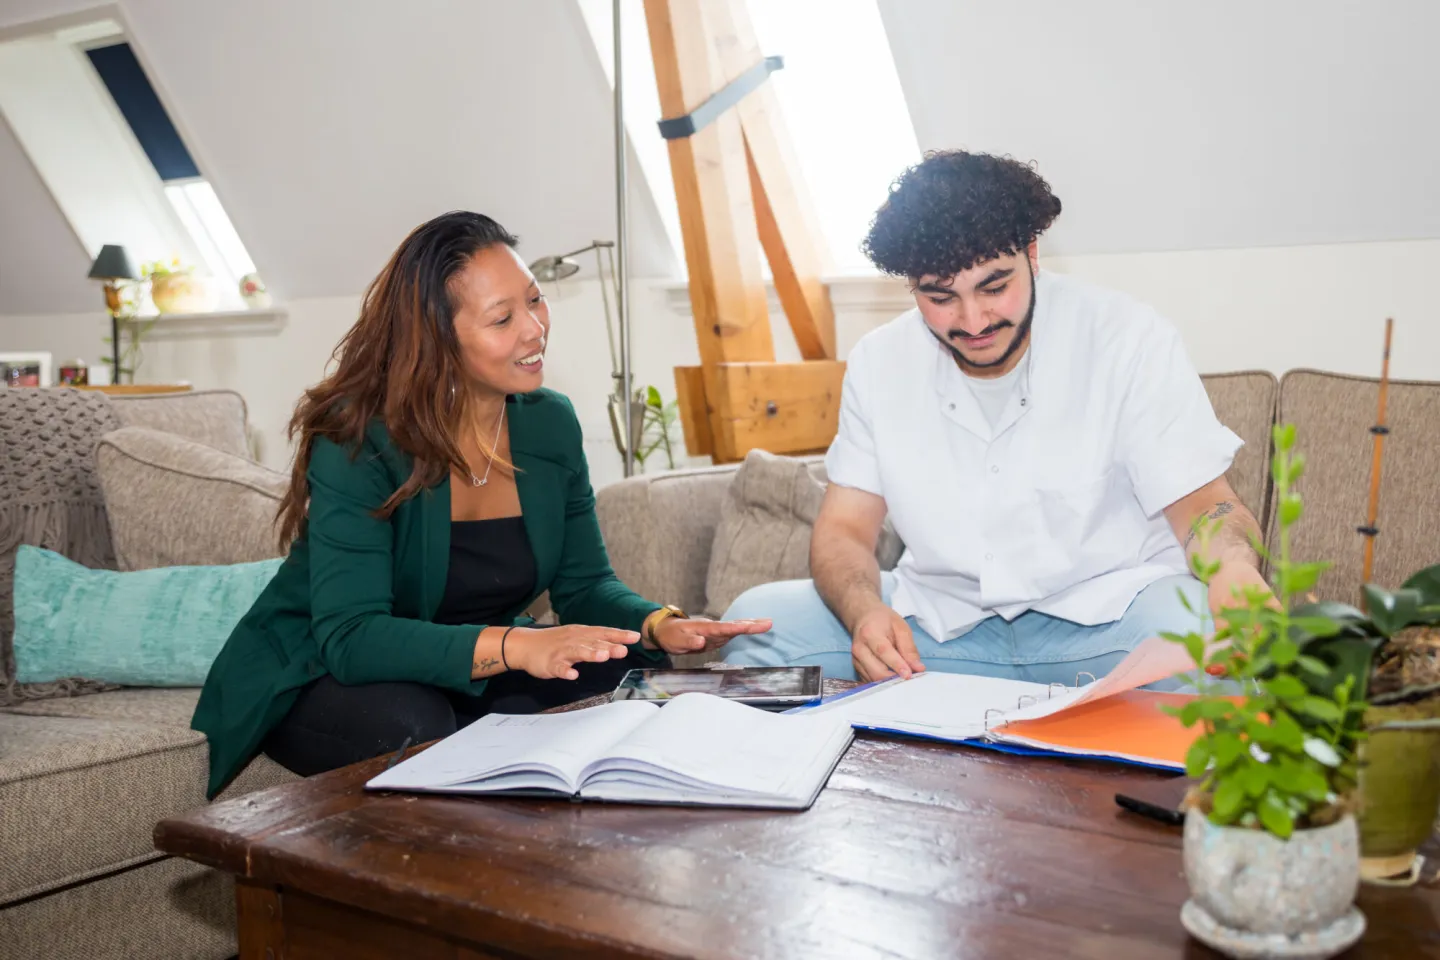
(993, 328)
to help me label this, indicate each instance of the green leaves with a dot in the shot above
(1321, 709)
(1290, 509)
(1255, 778)
(1286, 686)
(1283, 651)
(1392, 612)
(1298, 777)
(1299, 578)
(1427, 582)
(1228, 798)
(1276, 816)
(1272, 756)
(1285, 732)
(1195, 646)
(652, 398)
(1197, 758)
(1227, 748)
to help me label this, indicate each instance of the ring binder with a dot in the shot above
(1084, 673)
(1050, 690)
(1020, 700)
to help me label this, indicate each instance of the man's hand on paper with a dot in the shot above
(882, 646)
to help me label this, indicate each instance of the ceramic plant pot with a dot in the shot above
(1255, 895)
(1399, 764)
(183, 293)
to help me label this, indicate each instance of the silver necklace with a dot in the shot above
(481, 481)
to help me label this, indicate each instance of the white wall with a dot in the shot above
(1274, 308)
(1171, 125)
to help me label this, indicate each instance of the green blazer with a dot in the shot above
(356, 596)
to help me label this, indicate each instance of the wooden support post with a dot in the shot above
(739, 188)
(789, 229)
(717, 218)
(786, 407)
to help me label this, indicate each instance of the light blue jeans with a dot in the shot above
(1034, 646)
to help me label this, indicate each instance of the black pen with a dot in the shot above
(1165, 815)
(406, 746)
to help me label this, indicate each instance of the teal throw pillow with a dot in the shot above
(145, 628)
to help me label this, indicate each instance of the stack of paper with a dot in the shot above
(1106, 719)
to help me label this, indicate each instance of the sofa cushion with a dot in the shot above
(84, 780)
(173, 501)
(765, 524)
(1332, 415)
(154, 628)
(215, 418)
(658, 529)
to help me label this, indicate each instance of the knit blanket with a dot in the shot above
(51, 498)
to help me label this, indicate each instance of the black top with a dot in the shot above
(492, 571)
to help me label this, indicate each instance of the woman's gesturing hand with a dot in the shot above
(554, 651)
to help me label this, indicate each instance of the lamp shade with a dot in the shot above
(113, 263)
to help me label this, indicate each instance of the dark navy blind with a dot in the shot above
(127, 83)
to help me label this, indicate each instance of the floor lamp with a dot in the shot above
(551, 268)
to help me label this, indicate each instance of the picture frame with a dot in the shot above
(26, 359)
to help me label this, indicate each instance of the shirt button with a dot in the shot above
(1022, 401)
(994, 469)
(952, 406)
(989, 556)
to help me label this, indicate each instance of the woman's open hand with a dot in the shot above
(552, 653)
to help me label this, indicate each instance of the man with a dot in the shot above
(1043, 447)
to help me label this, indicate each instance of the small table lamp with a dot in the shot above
(113, 265)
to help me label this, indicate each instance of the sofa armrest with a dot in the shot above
(659, 529)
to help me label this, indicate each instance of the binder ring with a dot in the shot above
(1020, 701)
(1050, 690)
(1084, 673)
(986, 717)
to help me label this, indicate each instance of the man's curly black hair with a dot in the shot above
(955, 209)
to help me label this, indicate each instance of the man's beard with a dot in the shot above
(1022, 334)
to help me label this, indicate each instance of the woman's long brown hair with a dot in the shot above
(401, 363)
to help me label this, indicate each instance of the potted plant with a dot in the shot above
(175, 287)
(1271, 849)
(1393, 649)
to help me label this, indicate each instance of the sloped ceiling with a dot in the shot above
(42, 264)
(1173, 125)
(330, 128)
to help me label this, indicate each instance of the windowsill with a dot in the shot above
(216, 323)
(848, 292)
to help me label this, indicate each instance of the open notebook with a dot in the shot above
(1105, 719)
(697, 749)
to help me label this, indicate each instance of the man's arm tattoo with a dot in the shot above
(1221, 509)
(488, 663)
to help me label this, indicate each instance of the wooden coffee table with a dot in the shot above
(912, 850)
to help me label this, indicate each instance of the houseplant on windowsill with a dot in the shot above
(177, 288)
(1271, 847)
(1394, 650)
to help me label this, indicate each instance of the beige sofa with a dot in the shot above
(83, 779)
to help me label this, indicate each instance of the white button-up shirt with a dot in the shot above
(1059, 508)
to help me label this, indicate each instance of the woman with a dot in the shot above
(437, 491)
